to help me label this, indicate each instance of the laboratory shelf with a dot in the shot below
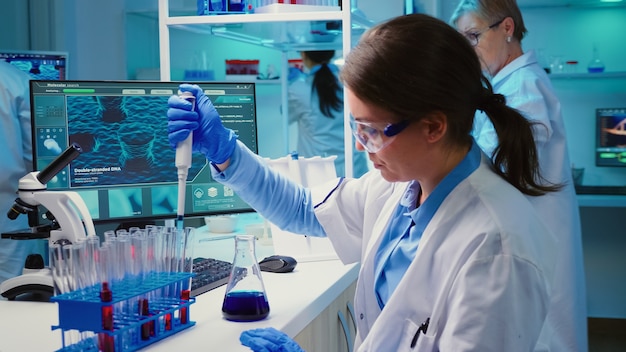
(279, 31)
(284, 37)
(274, 28)
(254, 18)
(586, 75)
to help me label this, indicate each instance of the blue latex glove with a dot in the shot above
(210, 137)
(268, 340)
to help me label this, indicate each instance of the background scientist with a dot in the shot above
(496, 28)
(316, 106)
(16, 161)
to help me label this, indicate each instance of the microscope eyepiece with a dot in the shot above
(59, 163)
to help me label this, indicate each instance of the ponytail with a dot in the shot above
(515, 158)
(325, 83)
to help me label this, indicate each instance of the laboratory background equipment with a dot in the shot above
(308, 172)
(245, 298)
(70, 223)
(222, 7)
(610, 148)
(126, 174)
(221, 223)
(200, 68)
(595, 65)
(48, 65)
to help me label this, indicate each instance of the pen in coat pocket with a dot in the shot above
(423, 328)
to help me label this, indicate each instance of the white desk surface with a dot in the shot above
(295, 300)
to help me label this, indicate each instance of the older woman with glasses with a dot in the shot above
(453, 256)
(495, 29)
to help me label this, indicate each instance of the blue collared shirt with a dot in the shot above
(399, 244)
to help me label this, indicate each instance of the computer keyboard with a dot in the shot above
(210, 274)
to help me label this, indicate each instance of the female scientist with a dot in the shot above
(316, 105)
(453, 256)
(495, 29)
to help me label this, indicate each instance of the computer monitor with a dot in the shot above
(126, 172)
(611, 137)
(48, 65)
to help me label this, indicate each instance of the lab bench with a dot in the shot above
(601, 200)
(296, 299)
(604, 241)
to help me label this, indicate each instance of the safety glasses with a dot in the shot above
(474, 37)
(374, 139)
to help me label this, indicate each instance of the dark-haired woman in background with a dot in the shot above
(316, 105)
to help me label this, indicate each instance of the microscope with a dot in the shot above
(70, 223)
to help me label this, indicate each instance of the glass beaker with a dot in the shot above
(596, 65)
(245, 298)
(556, 64)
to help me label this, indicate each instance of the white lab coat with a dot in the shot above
(528, 89)
(482, 272)
(16, 161)
(319, 135)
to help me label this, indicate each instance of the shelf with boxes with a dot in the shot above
(285, 27)
(294, 31)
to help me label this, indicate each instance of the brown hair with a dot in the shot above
(414, 65)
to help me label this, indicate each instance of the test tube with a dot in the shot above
(108, 235)
(112, 257)
(79, 284)
(151, 238)
(139, 254)
(106, 272)
(170, 266)
(160, 253)
(123, 272)
(61, 267)
(123, 265)
(92, 245)
(186, 265)
(151, 251)
(78, 266)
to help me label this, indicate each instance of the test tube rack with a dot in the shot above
(82, 310)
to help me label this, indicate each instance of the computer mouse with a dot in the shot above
(278, 264)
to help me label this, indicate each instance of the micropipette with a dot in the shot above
(183, 162)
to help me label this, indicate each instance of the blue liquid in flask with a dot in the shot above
(245, 298)
(245, 306)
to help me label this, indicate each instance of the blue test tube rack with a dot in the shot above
(82, 310)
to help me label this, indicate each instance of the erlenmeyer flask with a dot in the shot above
(245, 298)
